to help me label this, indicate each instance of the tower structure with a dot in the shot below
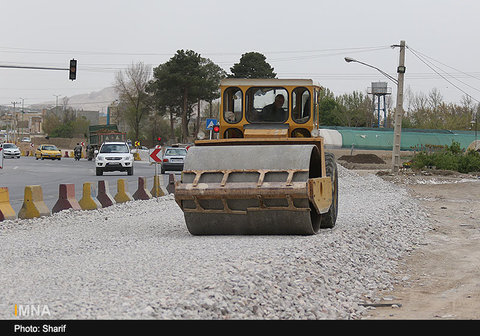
(380, 90)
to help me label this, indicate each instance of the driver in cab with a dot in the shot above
(274, 111)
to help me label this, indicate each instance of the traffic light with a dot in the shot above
(216, 129)
(73, 69)
(159, 139)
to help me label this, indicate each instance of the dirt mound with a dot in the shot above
(362, 158)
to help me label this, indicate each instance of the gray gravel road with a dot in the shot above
(138, 261)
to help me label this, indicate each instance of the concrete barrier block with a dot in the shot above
(158, 190)
(33, 204)
(88, 200)
(171, 184)
(6, 210)
(142, 193)
(66, 198)
(103, 194)
(122, 195)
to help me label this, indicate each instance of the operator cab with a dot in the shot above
(290, 104)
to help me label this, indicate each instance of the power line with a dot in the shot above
(460, 71)
(446, 79)
(82, 52)
(451, 76)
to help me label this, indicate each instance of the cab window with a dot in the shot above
(267, 104)
(301, 105)
(232, 105)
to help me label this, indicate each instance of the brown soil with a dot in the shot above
(362, 158)
(440, 279)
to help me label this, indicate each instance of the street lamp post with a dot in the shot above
(23, 113)
(474, 122)
(15, 121)
(397, 130)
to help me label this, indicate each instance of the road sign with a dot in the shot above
(155, 155)
(137, 143)
(210, 123)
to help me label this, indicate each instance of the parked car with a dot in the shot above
(173, 159)
(10, 150)
(26, 139)
(48, 152)
(114, 156)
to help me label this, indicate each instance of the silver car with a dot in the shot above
(173, 159)
(10, 150)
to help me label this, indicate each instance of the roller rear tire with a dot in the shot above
(329, 219)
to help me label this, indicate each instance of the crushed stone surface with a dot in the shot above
(137, 260)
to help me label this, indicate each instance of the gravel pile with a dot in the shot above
(137, 261)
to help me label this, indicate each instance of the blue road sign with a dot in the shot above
(210, 123)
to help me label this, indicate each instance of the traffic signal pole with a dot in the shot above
(72, 69)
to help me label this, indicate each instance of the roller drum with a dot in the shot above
(249, 190)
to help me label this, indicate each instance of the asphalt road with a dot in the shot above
(18, 173)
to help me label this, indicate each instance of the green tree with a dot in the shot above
(68, 125)
(354, 110)
(181, 82)
(431, 112)
(252, 65)
(327, 108)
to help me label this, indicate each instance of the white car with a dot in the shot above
(114, 156)
(10, 150)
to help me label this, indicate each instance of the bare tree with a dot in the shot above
(130, 85)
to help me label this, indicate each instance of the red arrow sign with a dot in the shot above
(155, 156)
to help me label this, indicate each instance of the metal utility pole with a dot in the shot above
(56, 102)
(23, 113)
(15, 134)
(397, 127)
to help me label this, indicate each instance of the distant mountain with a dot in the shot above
(94, 101)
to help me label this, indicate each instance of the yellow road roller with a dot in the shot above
(266, 171)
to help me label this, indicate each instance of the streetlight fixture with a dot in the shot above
(350, 60)
(397, 126)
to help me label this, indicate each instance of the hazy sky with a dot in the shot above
(301, 39)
